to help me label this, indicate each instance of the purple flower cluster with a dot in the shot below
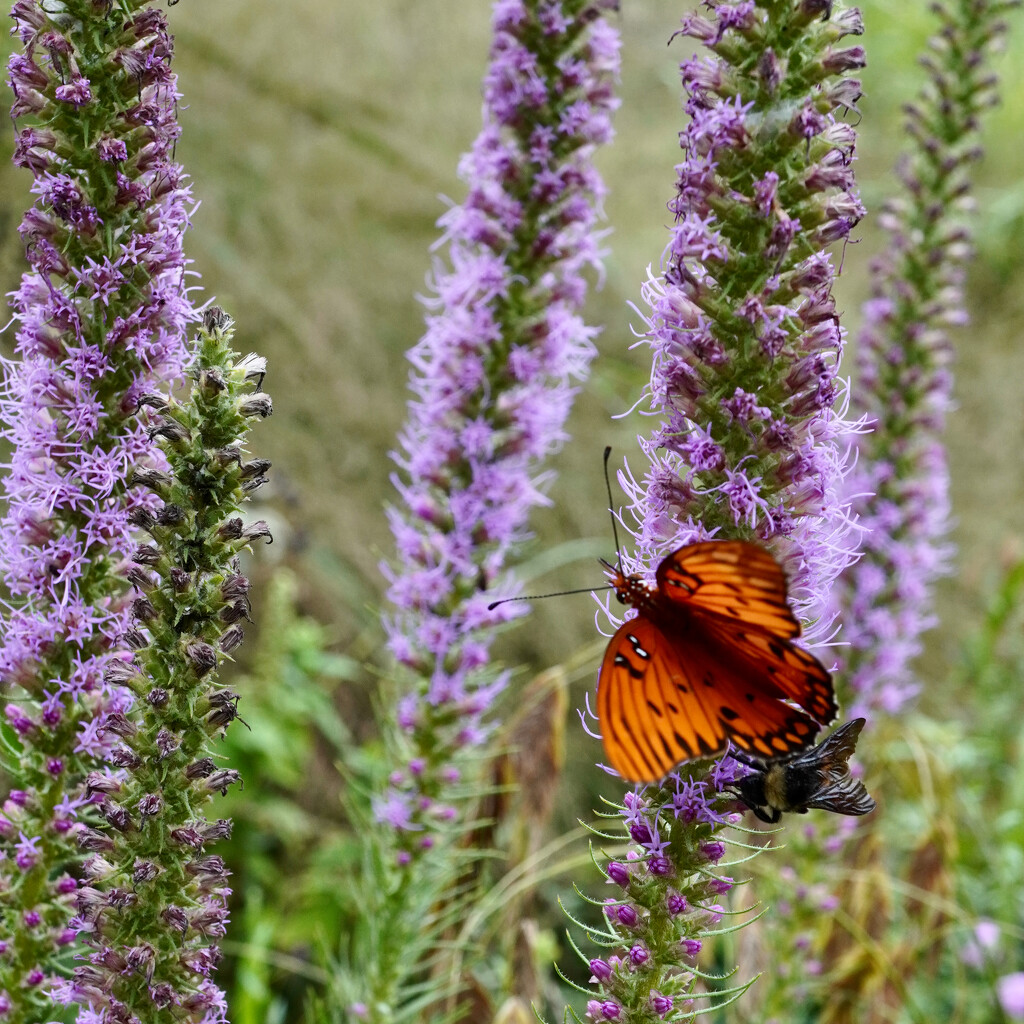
(493, 377)
(100, 319)
(746, 348)
(900, 488)
(742, 325)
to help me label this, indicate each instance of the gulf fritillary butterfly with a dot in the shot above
(708, 661)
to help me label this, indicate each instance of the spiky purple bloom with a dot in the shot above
(101, 319)
(494, 376)
(900, 487)
(746, 347)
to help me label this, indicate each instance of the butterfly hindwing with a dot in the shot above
(737, 591)
(665, 699)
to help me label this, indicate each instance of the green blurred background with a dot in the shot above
(320, 138)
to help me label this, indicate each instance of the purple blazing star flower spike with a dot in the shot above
(493, 376)
(746, 348)
(900, 487)
(100, 319)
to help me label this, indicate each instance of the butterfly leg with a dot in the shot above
(744, 758)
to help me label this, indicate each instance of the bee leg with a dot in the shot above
(772, 819)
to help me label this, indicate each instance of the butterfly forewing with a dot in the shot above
(731, 579)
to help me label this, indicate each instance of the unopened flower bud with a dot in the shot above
(256, 405)
(201, 656)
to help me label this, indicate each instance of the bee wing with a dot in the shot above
(843, 795)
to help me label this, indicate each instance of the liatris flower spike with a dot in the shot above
(746, 346)
(493, 379)
(153, 903)
(101, 319)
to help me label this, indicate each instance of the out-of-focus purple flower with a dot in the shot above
(1010, 989)
(900, 488)
(495, 374)
(101, 318)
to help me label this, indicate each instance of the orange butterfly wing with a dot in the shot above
(661, 701)
(737, 591)
(708, 661)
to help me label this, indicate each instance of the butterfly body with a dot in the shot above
(819, 778)
(708, 661)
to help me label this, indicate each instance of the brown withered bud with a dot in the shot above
(111, 959)
(255, 467)
(119, 672)
(119, 899)
(201, 656)
(222, 780)
(139, 578)
(235, 612)
(224, 708)
(176, 918)
(170, 515)
(117, 817)
(163, 995)
(151, 478)
(208, 870)
(188, 836)
(87, 977)
(180, 579)
(100, 782)
(231, 638)
(230, 529)
(151, 804)
(172, 431)
(166, 743)
(94, 841)
(208, 922)
(147, 554)
(144, 871)
(215, 320)
(118, 723)
(158, 697)
(229, 456)
(212, 380)
(135, 639)
(97, 866)
(256, 405)
(143, 610)
(254, 531)
(200, 769)
(142, 518)
(141, 959)
(154, 401)
(90, 902)
(235, 586)
(248, 486)
(212, 831)
(122, 757)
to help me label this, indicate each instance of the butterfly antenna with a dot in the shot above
(540, 597)
(615, 530)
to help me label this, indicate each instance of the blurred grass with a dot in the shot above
(319, 138)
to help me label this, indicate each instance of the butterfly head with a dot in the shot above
(631, 590)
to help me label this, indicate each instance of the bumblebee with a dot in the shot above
(819, 777)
